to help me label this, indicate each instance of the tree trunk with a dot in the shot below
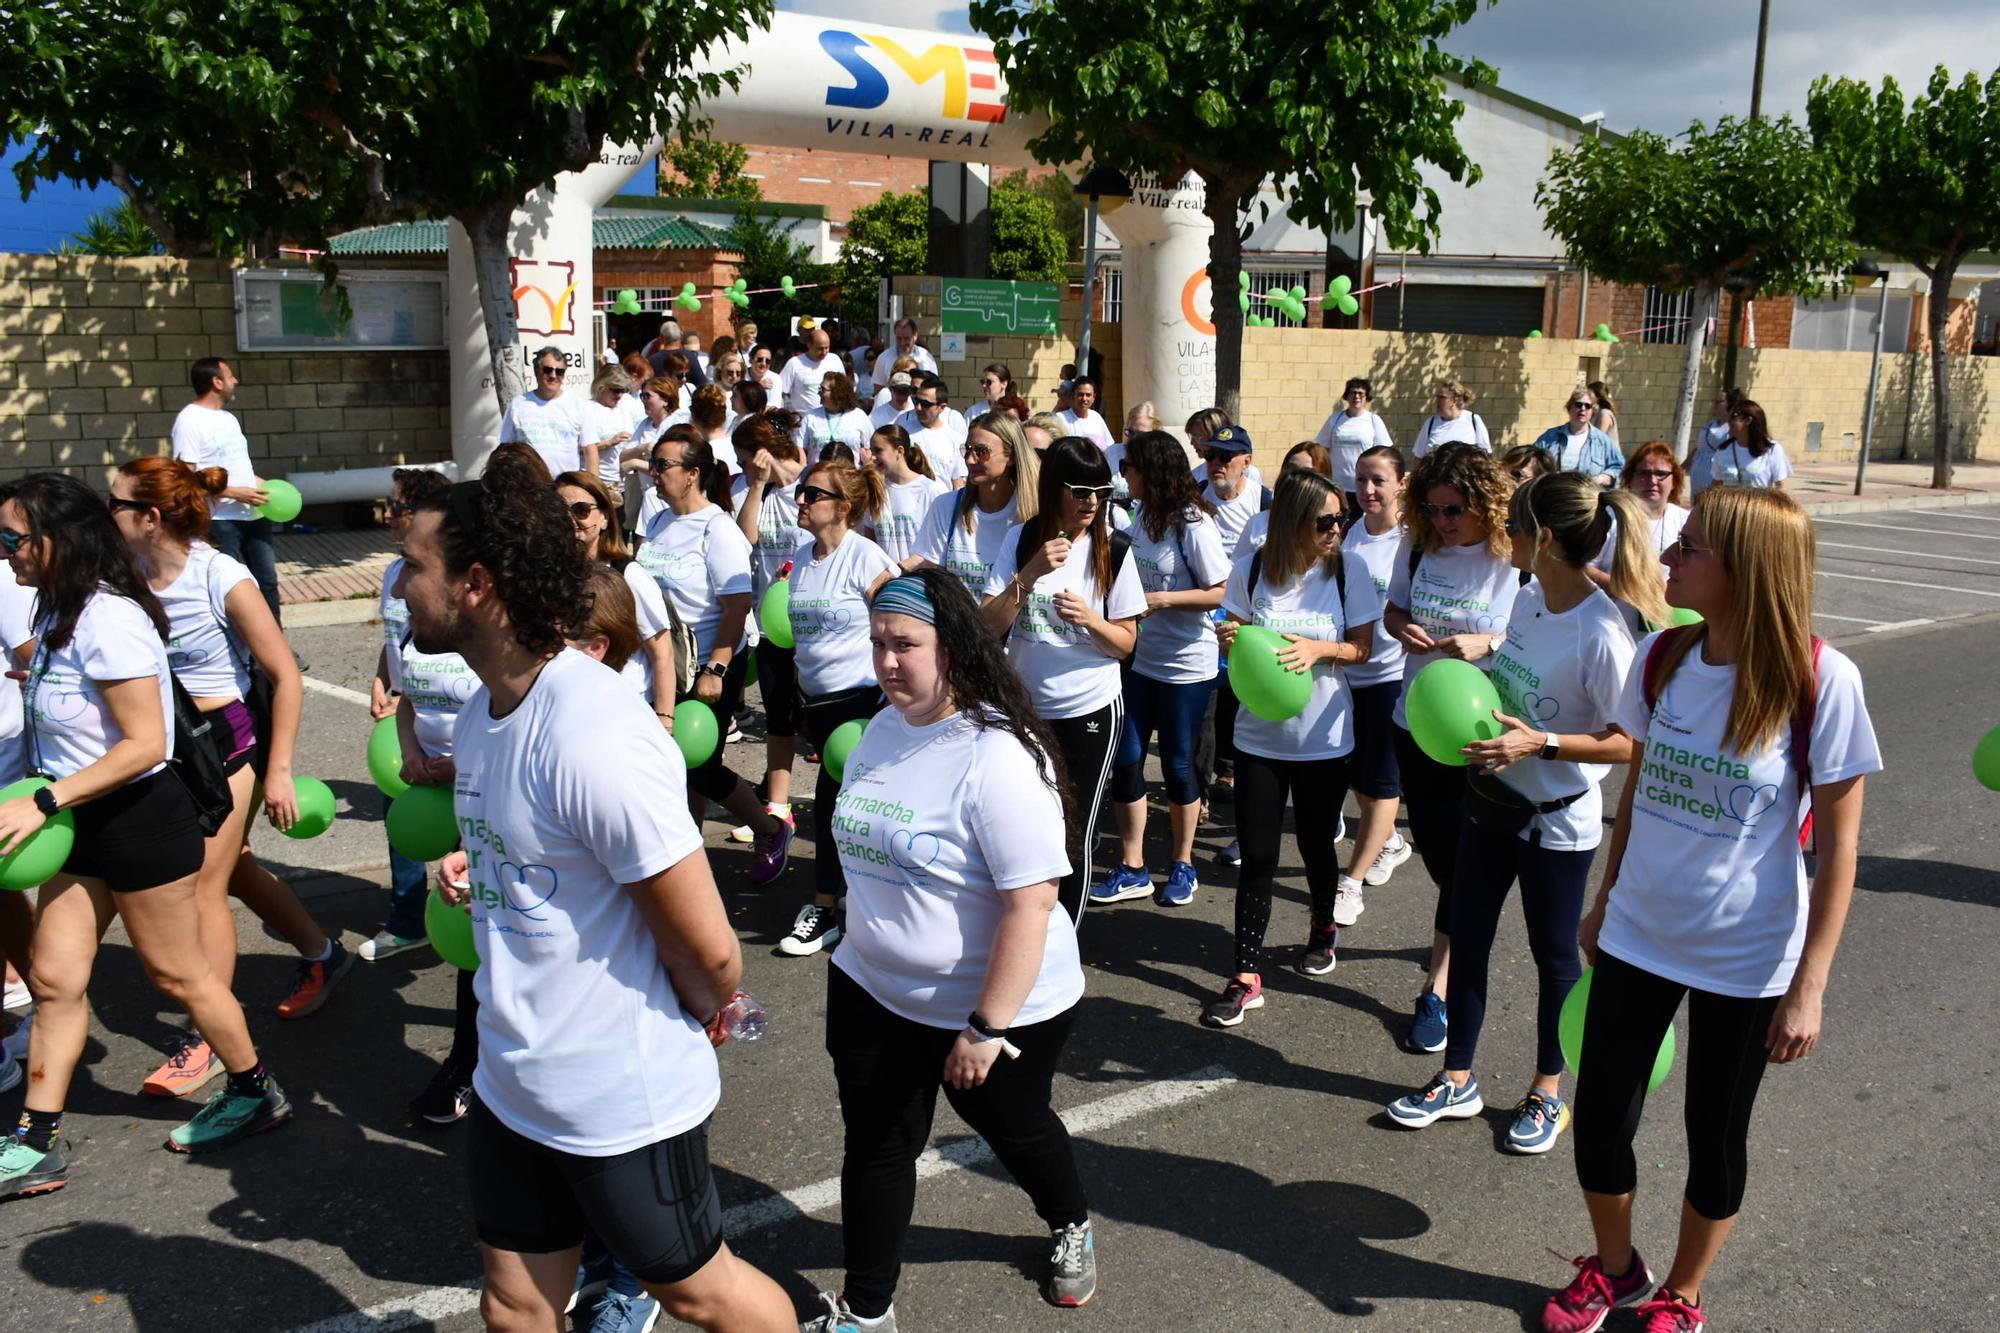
(1225, 261)
(1707, 305)
(487, 228)
(1939, 312)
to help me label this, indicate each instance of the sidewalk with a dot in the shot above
(1828, 488)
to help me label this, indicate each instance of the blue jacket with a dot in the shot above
(1599, 453)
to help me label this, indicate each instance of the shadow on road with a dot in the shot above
(1931, 879)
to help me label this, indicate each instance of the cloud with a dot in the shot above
(923, 15)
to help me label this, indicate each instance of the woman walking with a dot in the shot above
(1352, 428)
(964, 531)
(911, 491)
(1451, 421)
(1578, 446)
(767, 511)
(1750, 457)
(591, 509)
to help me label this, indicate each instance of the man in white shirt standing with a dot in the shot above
(1082, 418)
(800, 380)
(206, 434)
(546, 419)
(906, 344)
(895, 403)
(948, 419)
(925, 423)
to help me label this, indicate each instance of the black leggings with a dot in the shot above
(714, 779)
(1622, 1028)
(1088, 743)
(889, 1070)
(1215, 748)
(823, 716)
(464, 1025)
(1317, 787)
(1435, 794)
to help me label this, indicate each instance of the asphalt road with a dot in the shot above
(1246, 1177)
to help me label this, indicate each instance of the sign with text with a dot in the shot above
(972, 305)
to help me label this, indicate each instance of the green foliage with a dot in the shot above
(706, 169)
(113, 231)
(1060, 193)
(1028, 242)
(769, 256)
(885, 238)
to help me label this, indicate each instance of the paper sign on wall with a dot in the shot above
(951, 347)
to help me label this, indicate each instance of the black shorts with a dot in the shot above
(778, 686)
(141, 836)
(1371, 769)
(655, 1208)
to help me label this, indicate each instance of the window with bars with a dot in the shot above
(1111, 291)
(656, 300)
(1667, 316)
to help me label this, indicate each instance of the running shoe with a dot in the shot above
(446, 1100)
(14, 1046)
(1181, 883)
(1317, 959)
(1539, 1121)
(735, 733)
(10, 1075)
(386, 944)
(1122, 883)
(1394, 854)
(25, 1170)
(816, 927)
(1670, 1312)
(1072, 1266)
(190, 1064)
(772, 851)
(591, 1280)
(1427, 1025)
(839, 1319)
(1232, 855)
(1439, 1099)
(619, 1313)
(742, 832)
(1238, 998)
(1589, 1299)
(315, 983)
(230, 1117)
(1347, 904)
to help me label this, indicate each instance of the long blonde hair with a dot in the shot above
(1023, 464)
(1291, 547)
(1575, 516)
(1765, 541)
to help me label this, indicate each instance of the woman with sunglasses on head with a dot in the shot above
(1452, 420)
(1171, 676)
(1750, 457)
(1534, 812)
(702, 563)
(963, 531)
(995, 382)
(1353, 427)
(911, 491)
(957, 968)
(834, 573)
(590, 509)
(1066, 594)
(837, 419)
(1297, 586)
(100, 710)
(1450, 595)
(1578, 446)
(1706, 896)
(767, 510)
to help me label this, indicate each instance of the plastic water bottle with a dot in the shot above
(744, 1019)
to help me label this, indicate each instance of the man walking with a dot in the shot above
(206, 434)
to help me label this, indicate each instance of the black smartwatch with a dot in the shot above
(984, 1028)
(716, 669)
(45, 801)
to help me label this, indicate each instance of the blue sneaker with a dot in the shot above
(1124, 882)
(1538, 1122)
(618, 1313)
(1427, 1027)
(1439, 1099)
(1232, 855)
(1179, 889)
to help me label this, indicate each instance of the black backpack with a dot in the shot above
(197, 761)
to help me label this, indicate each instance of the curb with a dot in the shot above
(347, 611)
(1946, 500)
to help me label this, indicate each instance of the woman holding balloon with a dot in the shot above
(1707, 899)
(767, 511)
(1313, 618)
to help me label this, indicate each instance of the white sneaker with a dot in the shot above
(384, 945)
(1347, 904)
(18, 995)
(14, 1048)
(1339, 827)
(1386, 862)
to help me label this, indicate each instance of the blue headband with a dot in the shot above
(906, 595)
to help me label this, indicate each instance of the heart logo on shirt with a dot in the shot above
(914, 852)
(191, 657)
(1747, 802)
(1488, 624)
(61, 705)
(1539, 707)
(526, 888)
(836, 619)
(461, 687)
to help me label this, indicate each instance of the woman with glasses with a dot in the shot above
(1298, 586)
(995, 382)
(1656, 480)
(1451, 419)
(656, 397)
(701, 560)
(964, 530)
(591, 510)
(911, 491)
(1352, 428)
(1534, 813)
(1451, 594)
(767, 510)
(1524, 462)
(1578, 446)
(837, 419)
(835, 572)
(761, 373)
(99, 703)
(606, 425)
(1171, 677)
(1750, 457)
(1065, 593)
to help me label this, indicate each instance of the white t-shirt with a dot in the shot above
(884, 363)
(1233, 515)
(799, 381)
(1089, 425)
(1066, 671)
(600, 423)
(903, 518)
(950, 421)
(552, 427)
(438, 684)
(829, 611)
(1715, 436)
(1569, 450)
(1310, 607)
(561, 805)
(200, 648)
(933, 825)
(1178, 647)
(633, 407)
(1712, 892)
(648, 602)
(1666, 531)
(851, 428)
(17, 626)
(1377, 555)
(1346, 437)
(885, 412)
(1465, 428)
(1735, 465)
(778, 533)
(946, 454)
(1562, 673)
(945, 542)
(71, 726)
(1457, 590)
(207, 437)
(698, 560)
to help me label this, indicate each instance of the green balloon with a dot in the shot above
(695, 731)
(1262, 686)
(1293, 307)
(775, 615)
(1242, 280)
(627, 302)
(315, 809)
(42, 853)
(422, 823)
(1569, 1030)
(1985, 762)
(450, 929)
(385, 758)
(750, 672)
(840, 745)
(1451, 705)
(284, 504)
(1534, 333)
(1684, 616)
(1347, 305)
(1340, 286)
(1243, 302)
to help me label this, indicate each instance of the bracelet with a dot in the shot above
(1007, 1048)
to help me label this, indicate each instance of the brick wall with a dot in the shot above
(94, 356)
(842, 182)
(706, 269)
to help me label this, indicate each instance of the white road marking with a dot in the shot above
(1911, 532)
(1905, 624)
(337, 691)
(460, 1298)
(1958, 512)
(1921, 555)
(1905, 583)
(1859, 620)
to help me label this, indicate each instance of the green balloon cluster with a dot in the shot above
(695, 731)
(1293, 303)
(627, 303)
(1243, 291)
(1569, 1030)
(1604, 334)
(1985, 763)
(385, 758)
(315, 809)
(840, 745)
(735, 294)
(774, 617)
(1339, 296)
(450, 929)
(422, 823)
(786, 286)
(1451, 705)
(1261, 684)
(39, 856)
(284, 504)
(687, 300)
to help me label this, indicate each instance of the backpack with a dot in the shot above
(1653, 685)
(1121, 547)
(259, 696)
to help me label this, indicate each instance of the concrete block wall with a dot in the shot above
(94, 356)
(1035, 362)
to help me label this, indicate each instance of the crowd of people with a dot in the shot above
(1017, 607)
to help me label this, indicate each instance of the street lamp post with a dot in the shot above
(1865, 268)
(1596, 122)
(1100, 182)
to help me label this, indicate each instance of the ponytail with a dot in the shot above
(178, 492)
(1635, 565)
(1575, 517)
(919, 461)
(864, 489)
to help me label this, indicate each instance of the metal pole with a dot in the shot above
(1874, 378)
(1757, 79)
(1089, 284)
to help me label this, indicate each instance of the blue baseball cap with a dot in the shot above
(1229, 440)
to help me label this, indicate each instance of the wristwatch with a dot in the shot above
(717, 669)
(1551, 744)
(45, 801)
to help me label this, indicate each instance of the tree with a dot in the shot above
(1060, 193)
(234, 125)
(769, 256)
(1028, 242)
(1746, 201)
(1329, 99)
(885, 238)
(1923, 183)
(706, 169)
(113, 231)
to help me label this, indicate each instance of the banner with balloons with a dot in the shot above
(627, 303)
(1340, 296)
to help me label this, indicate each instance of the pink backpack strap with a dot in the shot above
(1802, 725)
(1650, 684)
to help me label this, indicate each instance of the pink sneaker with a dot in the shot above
(1586, 1302)
(772, 852)
(1669, 1312)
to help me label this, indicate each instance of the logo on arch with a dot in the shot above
(544, 296)
(968, 76)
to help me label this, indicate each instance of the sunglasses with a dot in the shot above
(397, 509)
(11, 542)
(812, 495)
(1326, 523)
(136, 506)
(582, 509)
(1218, 459)
(1442, 511)
(1088, 494)
(978, 453)
(1581, 407)
(1682, 546)
(659, 465)
(923, 403)
(548, 370)
(1656, 474)
(988, 382)
(1514, 529)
